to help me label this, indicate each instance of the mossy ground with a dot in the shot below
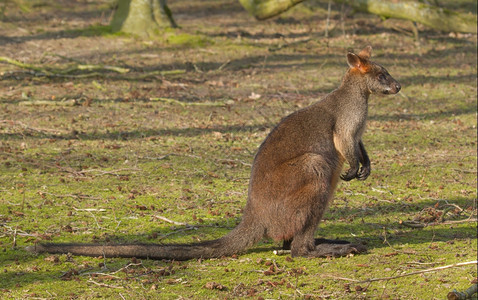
(104, 169)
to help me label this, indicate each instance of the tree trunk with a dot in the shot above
(429, 15)
(264, 9)
(142, 17)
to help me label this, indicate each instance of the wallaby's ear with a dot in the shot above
(353, 60)
(366, 52)
(356, 62)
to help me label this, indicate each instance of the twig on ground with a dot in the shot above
(105, 285)
(111, 274)
(285, 45)
(101, 172)
(466, 171)
(27, 127)
(60, 72)
(101, 274)
(96, 220)
(170, 221)
(80, 196)
(89, 209)
(474, 262)
(70, 102)
(415, 224)
(24, 65)
(184, 104)
(166, 156)
(223, 65)
(91, 69)
(15, 232)
(14, 244)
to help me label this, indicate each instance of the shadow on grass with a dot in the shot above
(370, 234)
(92, 30)
(195, 131)
(467, 109)
(135, 134)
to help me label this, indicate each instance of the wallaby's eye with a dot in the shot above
(381, 77)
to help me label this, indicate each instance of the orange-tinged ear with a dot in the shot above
(366, 52)
(356, 62)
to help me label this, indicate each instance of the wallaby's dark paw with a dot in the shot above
(363, 173)
(350, 174)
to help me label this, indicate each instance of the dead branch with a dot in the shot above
(25, 65)
(474, 262)
(101, 172)
(105, 285)
(70, 102)
(80, 196)
(183, 104)
(170, 221)
(433, 16)
(92, 70)
(26, 127)
(59, 72)
(466, 171)
(415, 224)
(114, 272)
(89, 209)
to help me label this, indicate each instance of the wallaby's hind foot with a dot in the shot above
(337, 250)
(327, 248)
(318, 241)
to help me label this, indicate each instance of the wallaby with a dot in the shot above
(293, 178)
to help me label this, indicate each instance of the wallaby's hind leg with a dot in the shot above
(303, 243)
(286, 244)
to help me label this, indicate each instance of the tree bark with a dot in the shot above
(429, 15)
(142, 17)
(264, 9)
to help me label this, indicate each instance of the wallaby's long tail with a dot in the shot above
(236, 241)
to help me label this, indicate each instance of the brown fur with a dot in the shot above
(293, 178)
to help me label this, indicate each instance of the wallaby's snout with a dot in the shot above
(392, 85)
(380, 81)
(398, 87)
(395, 87)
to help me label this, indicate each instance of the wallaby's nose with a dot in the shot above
(398, 87)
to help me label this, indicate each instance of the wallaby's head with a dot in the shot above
(376, 77)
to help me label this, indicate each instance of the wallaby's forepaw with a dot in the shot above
(363, 173)
(350, 174)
